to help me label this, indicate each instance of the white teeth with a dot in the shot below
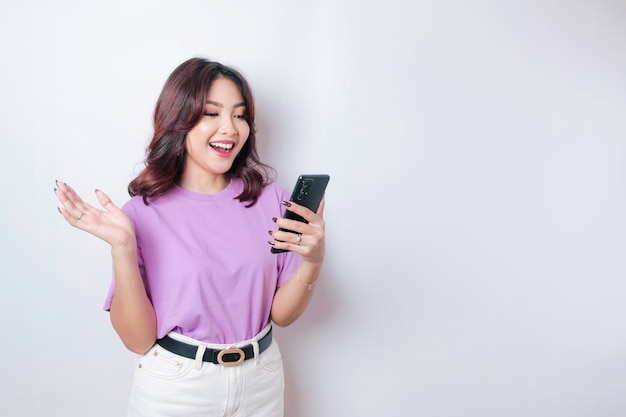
(226, 146)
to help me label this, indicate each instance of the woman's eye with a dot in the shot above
(210, 114)
(241, 116)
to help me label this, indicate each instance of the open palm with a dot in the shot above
(111, 224)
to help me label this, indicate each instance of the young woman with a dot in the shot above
(195, 287)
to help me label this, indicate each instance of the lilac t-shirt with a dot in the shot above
(206, 263)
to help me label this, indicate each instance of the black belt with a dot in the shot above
(225, 357)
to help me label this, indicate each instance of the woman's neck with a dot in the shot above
(204, 185)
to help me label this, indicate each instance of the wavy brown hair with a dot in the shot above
(179, 108)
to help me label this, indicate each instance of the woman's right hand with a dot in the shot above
(111, 224)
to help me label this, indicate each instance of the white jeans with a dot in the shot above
(169, 385)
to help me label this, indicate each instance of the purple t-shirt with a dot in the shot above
(206, 263)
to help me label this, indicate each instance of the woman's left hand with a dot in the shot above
(305, 239)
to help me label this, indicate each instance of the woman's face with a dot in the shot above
(213, 143)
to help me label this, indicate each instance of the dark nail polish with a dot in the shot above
(274, 219)
(286, 204)
(55, 189)
(270, 232)
(59, 210)
(96, 190)
(271, 242)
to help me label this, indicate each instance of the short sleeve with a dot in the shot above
(289, 263)
(130, 212)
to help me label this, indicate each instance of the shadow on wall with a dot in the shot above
(302, 340)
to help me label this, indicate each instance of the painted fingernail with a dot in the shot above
(274, 219)
(55, 189)
(286, 204)
(96, 190)
(59, 210)
(271, 242)
(270, 232)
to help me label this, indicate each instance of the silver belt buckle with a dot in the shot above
(220, 357)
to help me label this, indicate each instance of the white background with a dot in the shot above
(476, 229)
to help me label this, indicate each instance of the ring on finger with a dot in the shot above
(80, 216)
(298, 238)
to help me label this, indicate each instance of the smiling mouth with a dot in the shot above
(223, 147)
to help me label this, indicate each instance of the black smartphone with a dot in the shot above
(307, 192)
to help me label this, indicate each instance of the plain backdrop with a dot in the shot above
(476, 230)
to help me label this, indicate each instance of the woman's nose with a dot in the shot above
(227, 126)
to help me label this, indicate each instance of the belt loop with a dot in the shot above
(255, 350)
(255, 343)
(200, 355)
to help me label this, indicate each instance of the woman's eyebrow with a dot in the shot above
(215, 103)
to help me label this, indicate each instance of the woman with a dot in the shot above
(195, 285)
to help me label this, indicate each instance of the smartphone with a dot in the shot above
(307, 192)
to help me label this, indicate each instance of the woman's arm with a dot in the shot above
(132, 314)
(291, 299)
